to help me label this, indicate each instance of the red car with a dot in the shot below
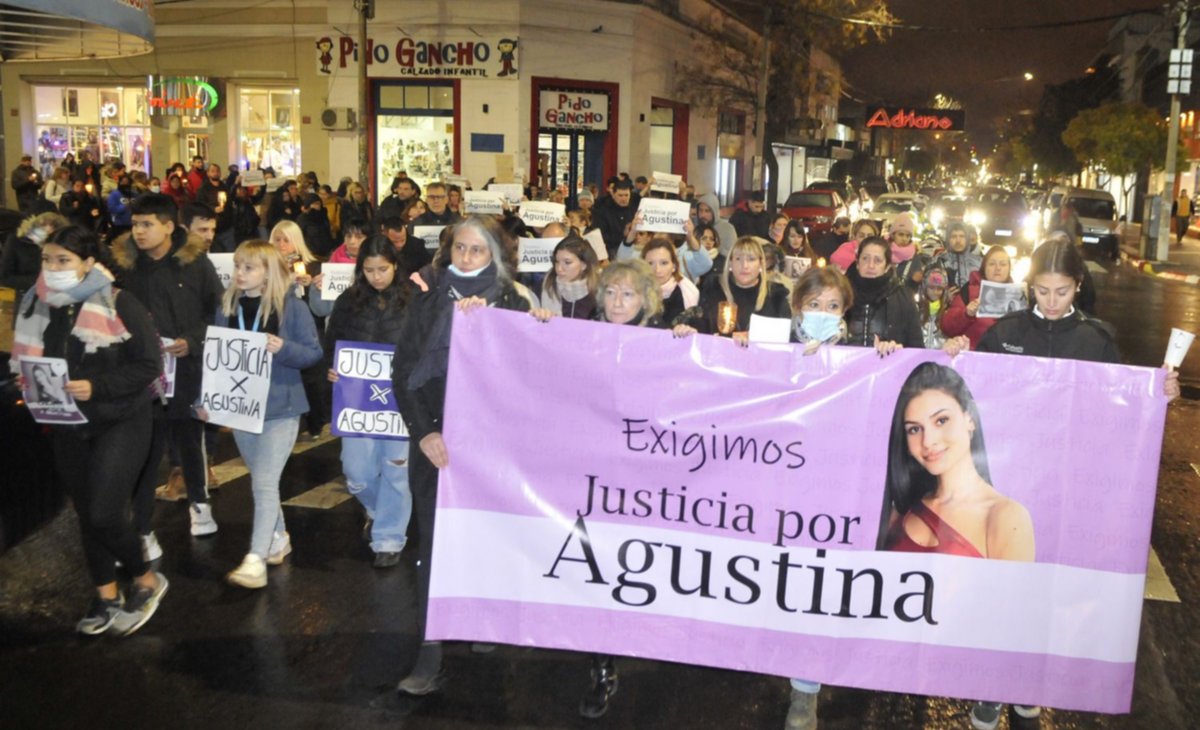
(816, 209)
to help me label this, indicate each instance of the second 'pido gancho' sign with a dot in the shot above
(363, 402)
(237, 377)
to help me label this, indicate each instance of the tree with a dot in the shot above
(1120, 137)
(1059, 105)
(725, 71)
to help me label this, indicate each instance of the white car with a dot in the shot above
(889, 205)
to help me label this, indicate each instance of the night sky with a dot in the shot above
(982, 69)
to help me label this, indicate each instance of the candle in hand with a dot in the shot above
(298, 267)
(726, 317)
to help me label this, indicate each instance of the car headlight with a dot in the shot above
(976, 218)
(823, 219)
(937, 216)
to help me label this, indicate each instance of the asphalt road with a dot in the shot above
(324, 644)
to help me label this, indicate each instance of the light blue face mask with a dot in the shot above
(821, 326)
(467, 274)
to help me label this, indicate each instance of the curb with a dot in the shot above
(1147, 267)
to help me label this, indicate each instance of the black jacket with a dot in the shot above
(210, 194)
(182, 293)
(751, 224)
(611, 219)
(777, 304)
(1073, 337)
(245, 220)
(422, 408)
(825, 244)
(26, 183)
(891, 314)
(21, 261)
(379, 319)
(314, 225)
(120, 374)
(351, 210)
(79, 209)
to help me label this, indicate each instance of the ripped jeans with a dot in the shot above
(377, 475)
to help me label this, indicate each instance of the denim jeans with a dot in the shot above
(265, 455)
(377, 474)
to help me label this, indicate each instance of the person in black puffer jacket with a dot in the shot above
(21, 261)
(112, 362)
(1054, 327)
(372, 310)
(883, 307)
(470, 272)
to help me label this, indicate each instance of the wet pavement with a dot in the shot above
(324, 644)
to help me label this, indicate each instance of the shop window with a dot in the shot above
(267, 131)
(109, 123)
(414, 132)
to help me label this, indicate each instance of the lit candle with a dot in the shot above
(90, 188)
(726, 317)
(298, 267)
(221, 198)
(820, 263)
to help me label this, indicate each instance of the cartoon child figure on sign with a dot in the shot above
(506, 47)
(325, 46)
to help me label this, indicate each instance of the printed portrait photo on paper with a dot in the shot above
(939, 495)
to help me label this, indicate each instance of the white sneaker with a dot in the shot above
(151, 550)
(202, 519)
(281, 547)
(252, 573)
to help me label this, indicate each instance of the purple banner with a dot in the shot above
(614, 489)
(363, 403)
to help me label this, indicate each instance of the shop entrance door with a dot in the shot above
(571, 159)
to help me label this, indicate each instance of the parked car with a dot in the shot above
(30, 494)
(1002, 217)
(815, 208)
(1091, 217)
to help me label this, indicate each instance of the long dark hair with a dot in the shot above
(362, 294)
(907, 481)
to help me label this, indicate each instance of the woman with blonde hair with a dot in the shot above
(357, 204)
(745, 285)
(258, 301)
(304, 268)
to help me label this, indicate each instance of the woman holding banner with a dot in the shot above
(372, 310)
(742, 289)
(476, 275)
(883, 315)
(569, 289)
(678, 294)
(259, 301)
(112, 354)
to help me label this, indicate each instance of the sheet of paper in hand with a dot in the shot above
(664, 216)
(336, 279)
(431, 235)
(536, 254)
(236, 379)
(46, 393)
(538, 213)
(997, 300)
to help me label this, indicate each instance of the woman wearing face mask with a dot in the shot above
(883, 315)
(746, 285)
(569, 289)
(112, 354)
(372, 310)
(678, 294)
(960, 318)
(476, 275)
(819, 303)
(1053, 327)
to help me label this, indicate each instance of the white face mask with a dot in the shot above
(61, 280)
(155, 189)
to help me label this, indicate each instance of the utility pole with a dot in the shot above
(366, 11)
(760, 118)
(1179, 75)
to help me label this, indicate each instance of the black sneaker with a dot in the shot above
(99, 617)
(387, 560)
(139, 606)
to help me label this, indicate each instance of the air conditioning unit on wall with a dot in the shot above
(339, 118)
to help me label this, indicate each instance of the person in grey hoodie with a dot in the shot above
(708, 210)
(961, 256)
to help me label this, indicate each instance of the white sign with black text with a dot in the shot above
(223, 263)
(536, 255)
(335, 279)
(236, 379)
(538, 213)
(483, 202)
(663, 216)
(431, 235)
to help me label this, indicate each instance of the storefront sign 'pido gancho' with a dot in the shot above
(393, 55)
(573, 110)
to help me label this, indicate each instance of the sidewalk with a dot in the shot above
(1183, 261)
